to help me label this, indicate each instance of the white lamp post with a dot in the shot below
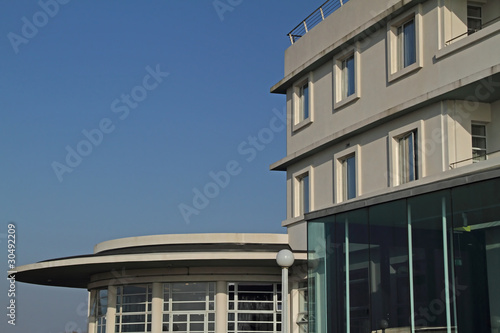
(285, 259)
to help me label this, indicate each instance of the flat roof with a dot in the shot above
(158, 251)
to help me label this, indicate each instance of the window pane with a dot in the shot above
(410, 54)
(305, 99)
(430, 220)
(479, 130)
(390, 300)
(305, 191)
(474, 11)
(317, 277)
(257, 307)
(408, 170)
(476, 230)
(354, 240)
(349, 178)
(350, 75)
(479, 143)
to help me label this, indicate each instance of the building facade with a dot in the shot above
(217, 283)
(392, 164)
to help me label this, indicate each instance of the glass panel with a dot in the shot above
(430, 221)
(257, 307)
(476, 226)
(479, 143)
(349, 166)
(410, 53)
(304, 101)
(390, 294)
(305, 191)
(355, 240)
(478, 130)
(348, 81)
(316, 261)
(408, 170)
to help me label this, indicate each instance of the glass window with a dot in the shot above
(348, 77)
(476, 245)
(302, 194)
(351, 236)
(429, 217)
(407, 50)
(302, 317)
(408, 170)
(304, 102)
(254, 307)
(478, 134)
(423, 263)
(349, 177)
(390, 296)
(99, 309)
(317, 243)
(133, 308)
(474, 19)
(189, 307)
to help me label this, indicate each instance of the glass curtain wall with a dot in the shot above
(428, 262)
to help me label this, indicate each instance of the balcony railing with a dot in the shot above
(316, 17)
(475, 159)
(470, 31)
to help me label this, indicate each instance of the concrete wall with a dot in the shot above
(444, 126)
(440, 66)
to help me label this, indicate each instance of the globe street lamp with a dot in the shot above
(285, 259)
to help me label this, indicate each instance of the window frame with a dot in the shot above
(121, 301)
(395, 70)
(480, 18)
(394, 152)
(299, 119)
(341, 99)
(209, 312)
(234, 312)
(408, 165)
(299, 199)
(340, 185)
(483, 157)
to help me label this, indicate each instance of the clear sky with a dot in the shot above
(114, 114)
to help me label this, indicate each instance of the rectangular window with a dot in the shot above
(406, 41)
(348, 77)
(408, 160)
(189, 307)
(133, 308)
(302, 194)
(349, 177)
(303, 102)
(99, 309)
(254, 307)
(474, 19)
(478, 133)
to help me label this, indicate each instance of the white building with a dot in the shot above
(392, 163)
(179, 283)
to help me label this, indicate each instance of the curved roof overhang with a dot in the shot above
(159, 251)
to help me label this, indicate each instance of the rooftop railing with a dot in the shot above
(316, 17)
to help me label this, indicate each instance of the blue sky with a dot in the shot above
(156, 98)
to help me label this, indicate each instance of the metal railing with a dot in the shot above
(316, 17)
(475, 159)
(471, 31)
